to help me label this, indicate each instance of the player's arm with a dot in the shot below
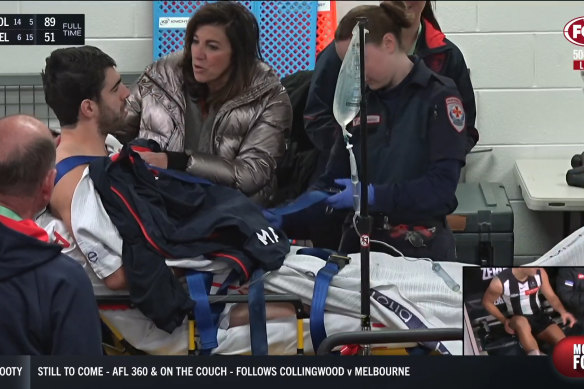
(493, 292)
(116, 280)
(554, 300)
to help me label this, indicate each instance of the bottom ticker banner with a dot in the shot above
(264, 372)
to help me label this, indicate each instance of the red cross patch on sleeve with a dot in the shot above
(455, 112)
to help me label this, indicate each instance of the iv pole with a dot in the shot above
(364, 222)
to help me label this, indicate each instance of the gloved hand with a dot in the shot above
(344, 199)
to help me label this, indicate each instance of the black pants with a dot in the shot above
(441, 247)
(323, 228)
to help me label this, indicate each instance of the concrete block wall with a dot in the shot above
(530, 101)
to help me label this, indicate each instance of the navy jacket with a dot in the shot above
(164, 217)
(439, 54)
(47, 305)
(570, 289)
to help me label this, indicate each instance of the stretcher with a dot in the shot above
(120, 345)
(342, 318)
(431, 302)
(410, 282)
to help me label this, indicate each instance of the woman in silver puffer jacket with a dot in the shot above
(217, 111)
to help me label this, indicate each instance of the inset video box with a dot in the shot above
(32, 29)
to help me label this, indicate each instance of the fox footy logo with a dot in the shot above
(568, 356)
(574, 31)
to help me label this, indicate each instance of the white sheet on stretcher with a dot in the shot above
(568, 252)
(410, 282)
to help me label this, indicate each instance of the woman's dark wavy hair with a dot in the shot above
(242, 30)
(387, 17)
(428, 14)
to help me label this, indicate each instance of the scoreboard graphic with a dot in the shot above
(64, 29)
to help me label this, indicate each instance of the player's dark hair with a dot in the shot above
(72, 75)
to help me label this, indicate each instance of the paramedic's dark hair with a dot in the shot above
(388, 17)
(23, 169)
(242, 30)
(72, 75)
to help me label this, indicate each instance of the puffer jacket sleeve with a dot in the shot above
(261, 149)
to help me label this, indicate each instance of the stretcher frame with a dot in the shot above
(123, 302)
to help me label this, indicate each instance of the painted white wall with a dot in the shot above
(530, 101)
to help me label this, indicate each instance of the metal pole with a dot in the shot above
(364, 224)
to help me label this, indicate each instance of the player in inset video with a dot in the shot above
(520, 288)
(570, 289)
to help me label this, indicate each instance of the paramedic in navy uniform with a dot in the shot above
(416, 143)
(422, 38)
(520, 289)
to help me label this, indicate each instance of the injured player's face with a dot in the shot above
(112, 103)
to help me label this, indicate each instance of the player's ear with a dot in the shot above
(88, 109)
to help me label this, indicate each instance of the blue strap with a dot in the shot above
(199, 283)
(257, 314)
(303, 201)
(66, 165)
(321, 286)
(321, 253)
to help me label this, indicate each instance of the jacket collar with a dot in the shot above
(264, 79)
(430, 39)
(7, 212)
(26, 227)
(419, 75)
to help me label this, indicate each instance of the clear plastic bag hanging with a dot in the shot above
(348, 90)
(346, 105)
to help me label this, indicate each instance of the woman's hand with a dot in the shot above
(155, 159)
